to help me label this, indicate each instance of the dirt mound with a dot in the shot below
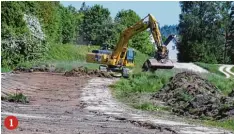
(83, 71)
(41, 68)
(190, 95)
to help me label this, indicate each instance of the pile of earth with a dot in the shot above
(83, 71)
(190, 95)
(41, 68)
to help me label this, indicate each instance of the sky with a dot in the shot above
(166, 12)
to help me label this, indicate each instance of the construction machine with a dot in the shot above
(122, 57)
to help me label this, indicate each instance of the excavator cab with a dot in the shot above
(130, 56)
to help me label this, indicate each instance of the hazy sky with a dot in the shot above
(166, 12)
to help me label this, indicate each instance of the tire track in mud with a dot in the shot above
(97, 97)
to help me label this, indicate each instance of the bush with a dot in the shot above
(18, 97)
(18, 50)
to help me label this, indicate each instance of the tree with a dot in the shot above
(202, 28)
(168, 30)
(96, 25)
(84, 7)
(18, 43)
(231, 35)
(141, 41)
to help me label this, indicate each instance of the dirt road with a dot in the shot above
(226, 69)
(60, 104)
(57, 106)
(189, 66)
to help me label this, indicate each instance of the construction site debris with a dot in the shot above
(190, 95)
(42, 68)
(84, 71)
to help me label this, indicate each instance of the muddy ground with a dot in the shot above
(55, 106)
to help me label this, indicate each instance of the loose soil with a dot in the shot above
(190, 95)
(75, 72)
(55, 106)
(83, 71)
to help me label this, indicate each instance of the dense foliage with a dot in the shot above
(205, 30)
(19, 44)
(168, 30)
(59, 24)
(141, 41)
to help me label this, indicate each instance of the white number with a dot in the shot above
(11, 123)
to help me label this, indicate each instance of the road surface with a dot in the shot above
(226, 69)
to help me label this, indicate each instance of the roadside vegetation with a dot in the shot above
(227, 124)
(68, 56)
(232, 69)
(17, 97)
(62, 56)
(223, 84)
(138, 90)
(213, 68)
(145, 83)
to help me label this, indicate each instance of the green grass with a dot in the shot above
(223, 84)
(213, 68)
(148, 106)
(232, 69)
(63, 57)
(68, 56)
(5, 70)
(142, 82)
(139, 88)
(68, 65)
(140, 58)
(69, 52)
(18, 97)
(227, 124)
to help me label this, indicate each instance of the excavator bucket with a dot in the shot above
(153, 64)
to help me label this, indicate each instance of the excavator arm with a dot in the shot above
(120, 55)
(119, 52)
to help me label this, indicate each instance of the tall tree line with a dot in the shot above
(205, 29)
(87, 25)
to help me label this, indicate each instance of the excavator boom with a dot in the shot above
(121, 56)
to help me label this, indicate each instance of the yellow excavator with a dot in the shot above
(122, 56)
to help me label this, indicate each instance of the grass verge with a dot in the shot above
(213, 68)
(62, 56)
(232, 69)
(68, 52)
(5, 70)
(138, 89)
(68, 56)
(149, 106)
(223, 84)
(227, 124)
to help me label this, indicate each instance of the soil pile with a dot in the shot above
(42, 68)
(190, 95)
(83, 71)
